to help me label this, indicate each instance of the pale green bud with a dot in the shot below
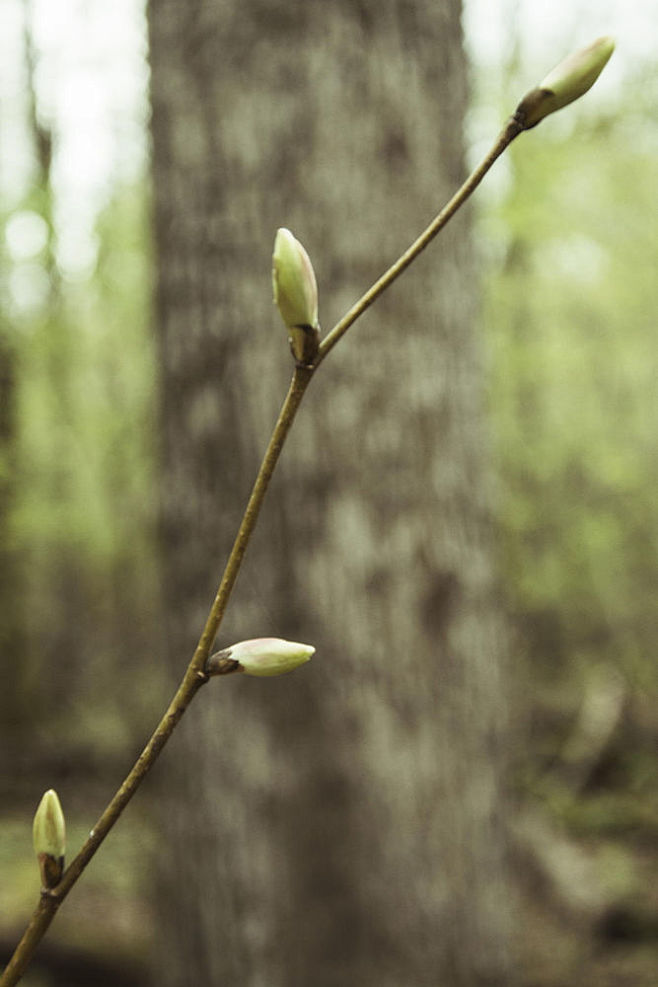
(296, 294)
(566, 82)
(49, 835)
(269, 655)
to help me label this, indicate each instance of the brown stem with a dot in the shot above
(512, 129)
(194, 678)
(197, 674)
(300, 381)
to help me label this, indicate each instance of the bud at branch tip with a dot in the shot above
(567, 82)
(296, 294)
(49, 836)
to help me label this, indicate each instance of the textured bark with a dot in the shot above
(341, 825)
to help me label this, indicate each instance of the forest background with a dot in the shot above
(568, 242)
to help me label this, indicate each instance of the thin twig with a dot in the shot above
(512, 129)
(300, 381)
(195, 675)
(193, 679)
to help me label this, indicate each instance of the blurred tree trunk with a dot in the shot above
(341, 825)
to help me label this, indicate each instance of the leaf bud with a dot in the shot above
(269, 655)
(567, 82)
(49, 835)
(296, 294)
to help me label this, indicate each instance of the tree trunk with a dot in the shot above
(341, 825)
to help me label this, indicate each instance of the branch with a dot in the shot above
(195, 676)
(512, 129)
(295, 283)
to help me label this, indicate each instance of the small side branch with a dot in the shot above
(512, 129)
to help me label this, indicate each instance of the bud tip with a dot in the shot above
(49, 836)
(568, 81)
(265, 656)
(296, 294)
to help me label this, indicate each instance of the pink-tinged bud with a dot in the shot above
(296, 294)
(49, 835)
(566, 82)
(269, 655)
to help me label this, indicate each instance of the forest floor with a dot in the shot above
(585, 844)
(585, 857)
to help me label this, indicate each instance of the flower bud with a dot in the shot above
(49, 835)
(566, 82)
(296, 294)
(269, 655)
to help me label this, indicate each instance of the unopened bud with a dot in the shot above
(49, 834)
(568, 81)
(296, 294)
(269, 655)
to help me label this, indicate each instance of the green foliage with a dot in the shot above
(86, 389)
(83, 494)
(570, 306)
(569, 309)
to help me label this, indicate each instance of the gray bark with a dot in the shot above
(341, 825)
